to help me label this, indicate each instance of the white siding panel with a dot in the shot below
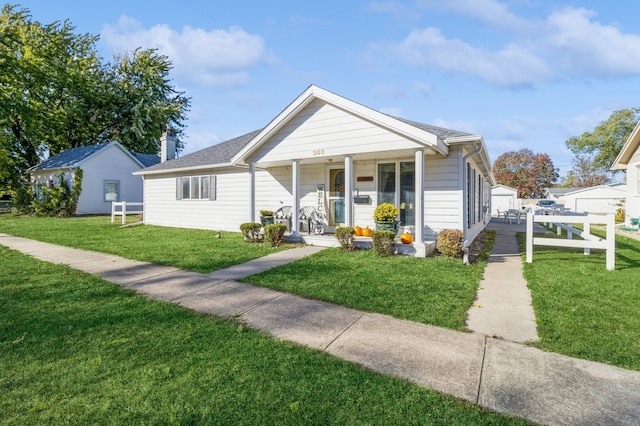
(443, 194)
(227, 212)
(325, 128)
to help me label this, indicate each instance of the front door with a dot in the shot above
(335, 196)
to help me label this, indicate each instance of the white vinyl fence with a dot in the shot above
(588, 242)
(120, 209)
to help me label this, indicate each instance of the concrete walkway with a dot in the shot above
(501, 375)
(503, 304)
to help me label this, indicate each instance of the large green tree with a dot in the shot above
(529, 173)
(56, 93)
(605, 142)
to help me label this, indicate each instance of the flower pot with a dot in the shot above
(266, 220)
(387, 226)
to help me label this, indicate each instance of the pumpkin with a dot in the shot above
(406, 238)
(358, 231)
(366, 232)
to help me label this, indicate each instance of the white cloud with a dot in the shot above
(423, 88)
(567, 43)
(491, 12)
(512, 66)
(586, 48)
(199, 139)
(387, 91)
(214, 58)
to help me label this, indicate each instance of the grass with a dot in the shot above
(435, 291)
(583, 310)
(78, 350)
(192, 249)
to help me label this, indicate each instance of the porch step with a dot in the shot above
(362, 243)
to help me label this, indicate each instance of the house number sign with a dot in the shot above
(318, 152)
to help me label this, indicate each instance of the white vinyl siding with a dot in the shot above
(322, 130)
(230, 188)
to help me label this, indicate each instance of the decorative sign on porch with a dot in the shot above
(320, 209)
(364, 178)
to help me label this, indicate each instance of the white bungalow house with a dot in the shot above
(338, 156)
(107, 174)
(629, 160)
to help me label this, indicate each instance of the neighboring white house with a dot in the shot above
(629, 160)
(504, 198)
(107, 174)
(557, 194)
(336, 155)
(599, 199)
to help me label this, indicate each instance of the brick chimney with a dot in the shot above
(168, 145)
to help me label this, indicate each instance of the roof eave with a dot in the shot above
(630, 146)
(183, 169)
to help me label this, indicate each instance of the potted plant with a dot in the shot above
(266, 217)
(385, 217)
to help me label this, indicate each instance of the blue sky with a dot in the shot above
(521, 73)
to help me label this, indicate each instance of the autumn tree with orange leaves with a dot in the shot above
(529, 173)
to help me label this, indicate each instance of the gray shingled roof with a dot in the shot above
(217, 154)
(73, 156)
(441, 132)
(223, 152)
(70, 157)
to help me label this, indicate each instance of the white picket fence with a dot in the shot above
(120, 209)
(588, 242)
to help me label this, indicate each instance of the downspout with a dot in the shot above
(465, 206)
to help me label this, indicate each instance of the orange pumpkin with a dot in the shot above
(358, 231)
(366, 232)
(406, 238)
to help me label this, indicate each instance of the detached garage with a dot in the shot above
(503, 198)
(597, 199)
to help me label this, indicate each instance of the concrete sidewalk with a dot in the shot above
(503, 376)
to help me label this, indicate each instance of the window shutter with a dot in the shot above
(212, 188)
(178, 188)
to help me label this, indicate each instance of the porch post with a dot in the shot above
(348, 190)
(295, 189)
(252, 193)
(420, 247)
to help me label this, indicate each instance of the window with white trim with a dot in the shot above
(196, 188)
(111, 190)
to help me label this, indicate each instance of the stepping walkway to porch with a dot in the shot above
(495, 373)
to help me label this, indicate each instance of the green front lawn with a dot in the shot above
(583, 310)
(437, 291)
(78, 350)
(191, 249)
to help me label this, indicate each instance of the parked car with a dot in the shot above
(547, 203)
